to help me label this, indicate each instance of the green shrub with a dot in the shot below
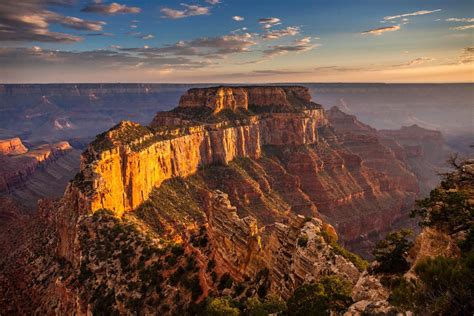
(443, 287)
(330, 294)
(391, 253)
(302, 241)
(225, 282)
(220, 307)
(270, 305)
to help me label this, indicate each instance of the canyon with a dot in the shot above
(40, 172)
(236, 191)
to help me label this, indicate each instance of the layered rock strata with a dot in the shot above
(17, 166)
(123, 165)
(12, 146)
(233, 98)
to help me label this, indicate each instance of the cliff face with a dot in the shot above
(232, 98)
(12, 146)
(121, 174)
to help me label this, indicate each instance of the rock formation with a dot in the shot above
(234, 98)
(239, 192)
(20, 163)
(424, 151)
(12, 146)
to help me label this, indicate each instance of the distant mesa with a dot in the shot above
(12, 146)
(234, 98)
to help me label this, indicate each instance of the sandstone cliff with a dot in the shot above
(12, 146)
(124, 164)
(233, 98)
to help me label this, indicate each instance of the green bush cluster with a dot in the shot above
(330, 294)
(391, 252)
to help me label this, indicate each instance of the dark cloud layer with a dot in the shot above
(301, 45)
(29, 20)
(110, 9)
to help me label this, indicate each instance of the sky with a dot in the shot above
(236, 41)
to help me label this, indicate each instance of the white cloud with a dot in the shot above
(189, 10)
(381, 30)
(269, 22)
(148, 36)
(238, 18)
(466, 20)
(213, 2)
(462, 28)
(275, 34)
(422, 12)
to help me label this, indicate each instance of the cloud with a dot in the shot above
(381, 30)
(269, 22)
(238, 18)
(463, 27)
(466, 20)
(301, 45)
(467, 55)
(29, 20)
(213, 2)
(275, 34)
(189, 10)
(422, 12)
(415, 62)
(148, 36)
(110, 9)
(108, 59)
(272, 72)
(209, 47)
(77, 23)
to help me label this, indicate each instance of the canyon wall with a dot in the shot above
(18, 163)
(121, 169)
(232, 98)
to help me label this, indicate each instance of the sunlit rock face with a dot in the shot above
(124, 164)
(12, 146)
(232, 98)
(326, 163)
